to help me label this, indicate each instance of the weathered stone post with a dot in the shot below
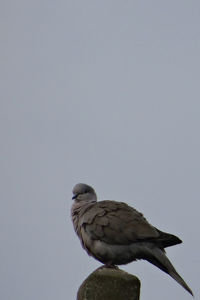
(109, 284)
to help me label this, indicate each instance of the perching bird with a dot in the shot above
(116, 234)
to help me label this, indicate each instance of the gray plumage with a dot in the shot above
(116, 234)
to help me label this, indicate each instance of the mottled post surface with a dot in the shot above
(109, 284)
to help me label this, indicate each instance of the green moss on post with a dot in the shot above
(109, 284)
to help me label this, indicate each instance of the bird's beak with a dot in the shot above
(75, 196)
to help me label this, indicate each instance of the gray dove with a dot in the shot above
(116, 234)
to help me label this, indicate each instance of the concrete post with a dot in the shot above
(109, 284)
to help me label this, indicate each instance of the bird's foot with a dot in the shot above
(110, 266)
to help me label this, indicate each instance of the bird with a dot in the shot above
(115, 233)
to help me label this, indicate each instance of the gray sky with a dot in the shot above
(105, 93)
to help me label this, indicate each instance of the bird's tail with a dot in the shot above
(160, 260)
(180, 280)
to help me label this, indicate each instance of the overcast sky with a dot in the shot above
(106, 93)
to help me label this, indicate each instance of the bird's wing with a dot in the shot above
(116, 223)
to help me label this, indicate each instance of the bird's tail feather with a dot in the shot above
(160, 260)
(180, 280)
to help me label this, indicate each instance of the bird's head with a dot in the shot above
(84, 192)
